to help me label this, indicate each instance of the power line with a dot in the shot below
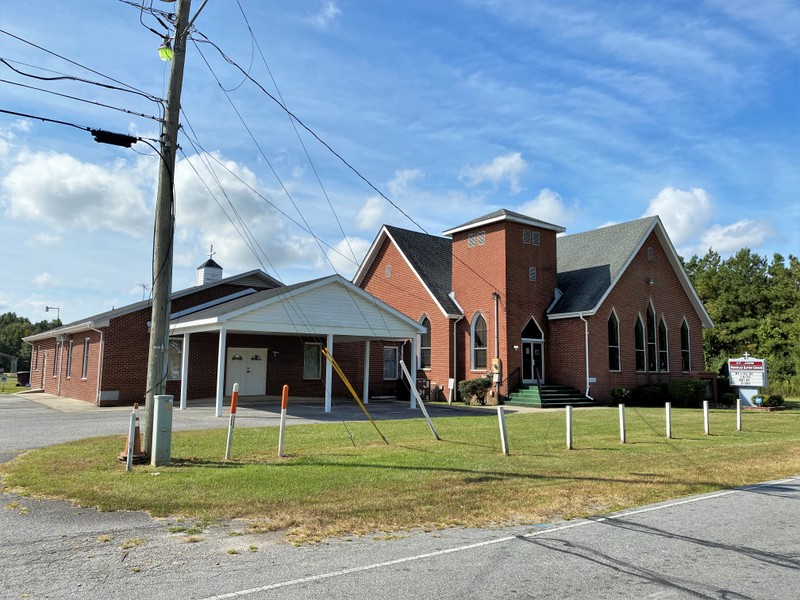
(78, 99)
(77, 64)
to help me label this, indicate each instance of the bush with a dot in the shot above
(474, 388)
(687, 393)
(773, 400)
(727, 398)
(620, 396)
(651, 394)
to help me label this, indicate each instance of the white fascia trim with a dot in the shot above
(675, 261)
(78, 327)
(539, 224)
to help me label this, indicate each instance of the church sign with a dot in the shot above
(747, 371)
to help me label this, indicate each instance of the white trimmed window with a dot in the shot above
(478, 342)
(613, 342)
(174, 358)
(85, 367)
(663, 349)
(312, 361)
(532, 273)
(652, 364)
(390, 362)
(639, 344)
(425, 344)
(69, 360)
(686, 358)
(55, 358)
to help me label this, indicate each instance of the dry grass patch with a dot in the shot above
(330, 488)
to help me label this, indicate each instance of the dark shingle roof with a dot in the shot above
(256, 279)
(431, 257)
(589, 262)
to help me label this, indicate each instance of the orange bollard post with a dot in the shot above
(232, 420)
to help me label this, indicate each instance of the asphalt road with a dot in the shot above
(734, 544)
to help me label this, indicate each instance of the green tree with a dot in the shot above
(13, 328)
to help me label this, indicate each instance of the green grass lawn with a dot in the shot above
(10, 386)
(326, 486)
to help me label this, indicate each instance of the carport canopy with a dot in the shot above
(326, 308)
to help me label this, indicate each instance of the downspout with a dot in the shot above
(455, 360)
(496, 298)
(99, 366)
(586, 328)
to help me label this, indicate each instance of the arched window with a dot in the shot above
(651, 339)
(478, 342)
(686, 358)
(613, 343)
(663, 350)
(639, 344)
(425, 344)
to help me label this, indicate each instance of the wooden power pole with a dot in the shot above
(165, 228)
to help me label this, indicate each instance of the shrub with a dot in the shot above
(727, 398)
(688, 393)
(474, 388)
(650, 394)
(620, 396)
(773, 400)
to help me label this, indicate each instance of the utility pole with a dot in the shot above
(165, 229)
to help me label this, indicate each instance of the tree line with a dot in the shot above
(755, 306)
(12, 329)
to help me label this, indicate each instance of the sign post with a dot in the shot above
(747, 374)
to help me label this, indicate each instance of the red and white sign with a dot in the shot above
(747, 372)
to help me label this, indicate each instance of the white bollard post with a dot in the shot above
(738, 414)
(232, 421)
(569, 427)
(284, 406)
(622, 423)
(501, 418)
(668, 409)
(705, 416)
(131, 438)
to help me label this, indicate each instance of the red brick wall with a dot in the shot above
(403, 291)
(629, 298)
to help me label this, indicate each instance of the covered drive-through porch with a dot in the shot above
(253, 330)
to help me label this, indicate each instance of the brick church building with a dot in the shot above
(506, 295)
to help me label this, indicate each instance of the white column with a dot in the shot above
(223, 336)
(329, 375)
(185, 371)
(365, 394)
(412, 367)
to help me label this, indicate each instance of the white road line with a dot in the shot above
(510, 538)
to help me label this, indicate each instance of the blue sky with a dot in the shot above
(577, 113)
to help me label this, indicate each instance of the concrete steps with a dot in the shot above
(550, 396)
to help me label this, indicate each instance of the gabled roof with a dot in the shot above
(326, 305)
(504, 215)
(430, 257)
(591, 263)
(210, 263)
(256, 279)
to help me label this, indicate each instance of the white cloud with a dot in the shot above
(548, 206)
(727, 239)
(245, 230)
(326, 14)
(63, 192)
(45, 280)
(507, 167)
(685, 214)
(347, 255)
(400, 184)
(371, 215)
